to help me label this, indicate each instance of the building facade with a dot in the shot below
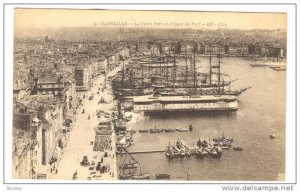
(49, 84)
(82, 79)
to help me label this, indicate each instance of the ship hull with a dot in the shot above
(177, 104)
(196, 111)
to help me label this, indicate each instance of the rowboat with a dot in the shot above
(129, 166)
(141, 177)
(182, 129)
(162, 176)
(155, 130)
(170, 130)
(144, 130)
(238, 149)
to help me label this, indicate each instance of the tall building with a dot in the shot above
(82, 79)
(50, 84)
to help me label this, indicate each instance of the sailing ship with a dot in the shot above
(131, 168)
(165, 78)
(220, 99)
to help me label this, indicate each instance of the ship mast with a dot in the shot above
(142, 75)
(210, 72)
(186, 67)
(160, 67)
(174, 68)
(194, 71)
(167, 69)
(219, 73)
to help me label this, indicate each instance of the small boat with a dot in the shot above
(238, 148)
(141, 177)
(155, 130)
(204, 153)
(272, 136)
(124, 176)
(274, 67)
(219, 150)
(162, 176)
(213, 153)
(170, 130)
(279, 69)
(182, 129)
(199, 153)
(144, 130)
(187, 153)
(268, 64)
(182, 154)
(169, 155)
(129, 166)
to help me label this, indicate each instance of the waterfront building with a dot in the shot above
(276, 51)
(214, 50)
(186, 48)
(109, 59)
(239, 51)
(102, 64)
(82, 78)
(93, 68)
(69, 97)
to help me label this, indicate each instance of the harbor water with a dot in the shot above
(261, 113)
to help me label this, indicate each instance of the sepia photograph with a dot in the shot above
(130, 94)
(179, 96)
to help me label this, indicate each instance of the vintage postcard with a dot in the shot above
(149, 95)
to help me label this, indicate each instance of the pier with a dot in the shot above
(139, 152)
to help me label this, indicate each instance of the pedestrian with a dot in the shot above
(56, 171)
(51, 170)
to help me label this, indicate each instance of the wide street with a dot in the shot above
(79, 143)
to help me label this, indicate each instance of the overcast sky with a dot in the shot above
(42, 18)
